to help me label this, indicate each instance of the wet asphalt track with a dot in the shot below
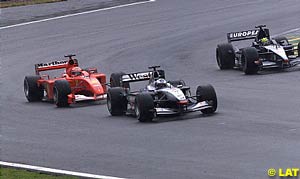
(256, 127)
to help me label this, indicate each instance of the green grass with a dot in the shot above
(11, 173)
(294, 39)
(12, 3)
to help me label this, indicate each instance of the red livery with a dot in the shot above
(75, 84)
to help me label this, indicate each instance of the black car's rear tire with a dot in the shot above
(181, 85)
(61, 90)
(225, 55)
(116, 80)
(207, 93)
(282, 40)
(249, 56)
(144, 107)
(116, 101)
(32, 91)
(177, 83)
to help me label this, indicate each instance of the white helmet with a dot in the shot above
(160, 83)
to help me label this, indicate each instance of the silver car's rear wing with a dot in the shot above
(139, 76)
(142, 76)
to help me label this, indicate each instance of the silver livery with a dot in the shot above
(159, 97)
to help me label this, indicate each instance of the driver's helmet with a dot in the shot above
(76, 71)
(264, 41)
(160, 83)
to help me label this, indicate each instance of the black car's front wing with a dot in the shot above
(185, 109)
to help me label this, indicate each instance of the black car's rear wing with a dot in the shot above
(142, 76)
(139, 76)
(243, 35)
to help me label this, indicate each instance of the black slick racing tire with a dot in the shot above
(61, 90)
(177, 83)
(116, 101)
(144, 107)
(225, 55)
(282, 40)
(181, 85)
(116, 80)
(91, 70)
(207, 93)
(32, 91)
(249, 56)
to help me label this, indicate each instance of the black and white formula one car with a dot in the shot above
(265, 52)
(158, 98)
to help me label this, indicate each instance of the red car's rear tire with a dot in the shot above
(32, 91)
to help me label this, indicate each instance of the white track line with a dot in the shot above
(76, 14)
(56, 171)
(289, 31)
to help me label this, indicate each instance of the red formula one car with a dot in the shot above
(73, 85)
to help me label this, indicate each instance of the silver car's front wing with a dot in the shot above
(292, 62)
(190, 108)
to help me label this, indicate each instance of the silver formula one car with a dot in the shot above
(159, 97)
(265, 52)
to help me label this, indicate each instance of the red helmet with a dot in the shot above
(76, 71)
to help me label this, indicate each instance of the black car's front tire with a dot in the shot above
(144, 107)
(207, 93)
(249, 56)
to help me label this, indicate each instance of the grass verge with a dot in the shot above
(11, 173)
(294, 40)
(12, 3)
